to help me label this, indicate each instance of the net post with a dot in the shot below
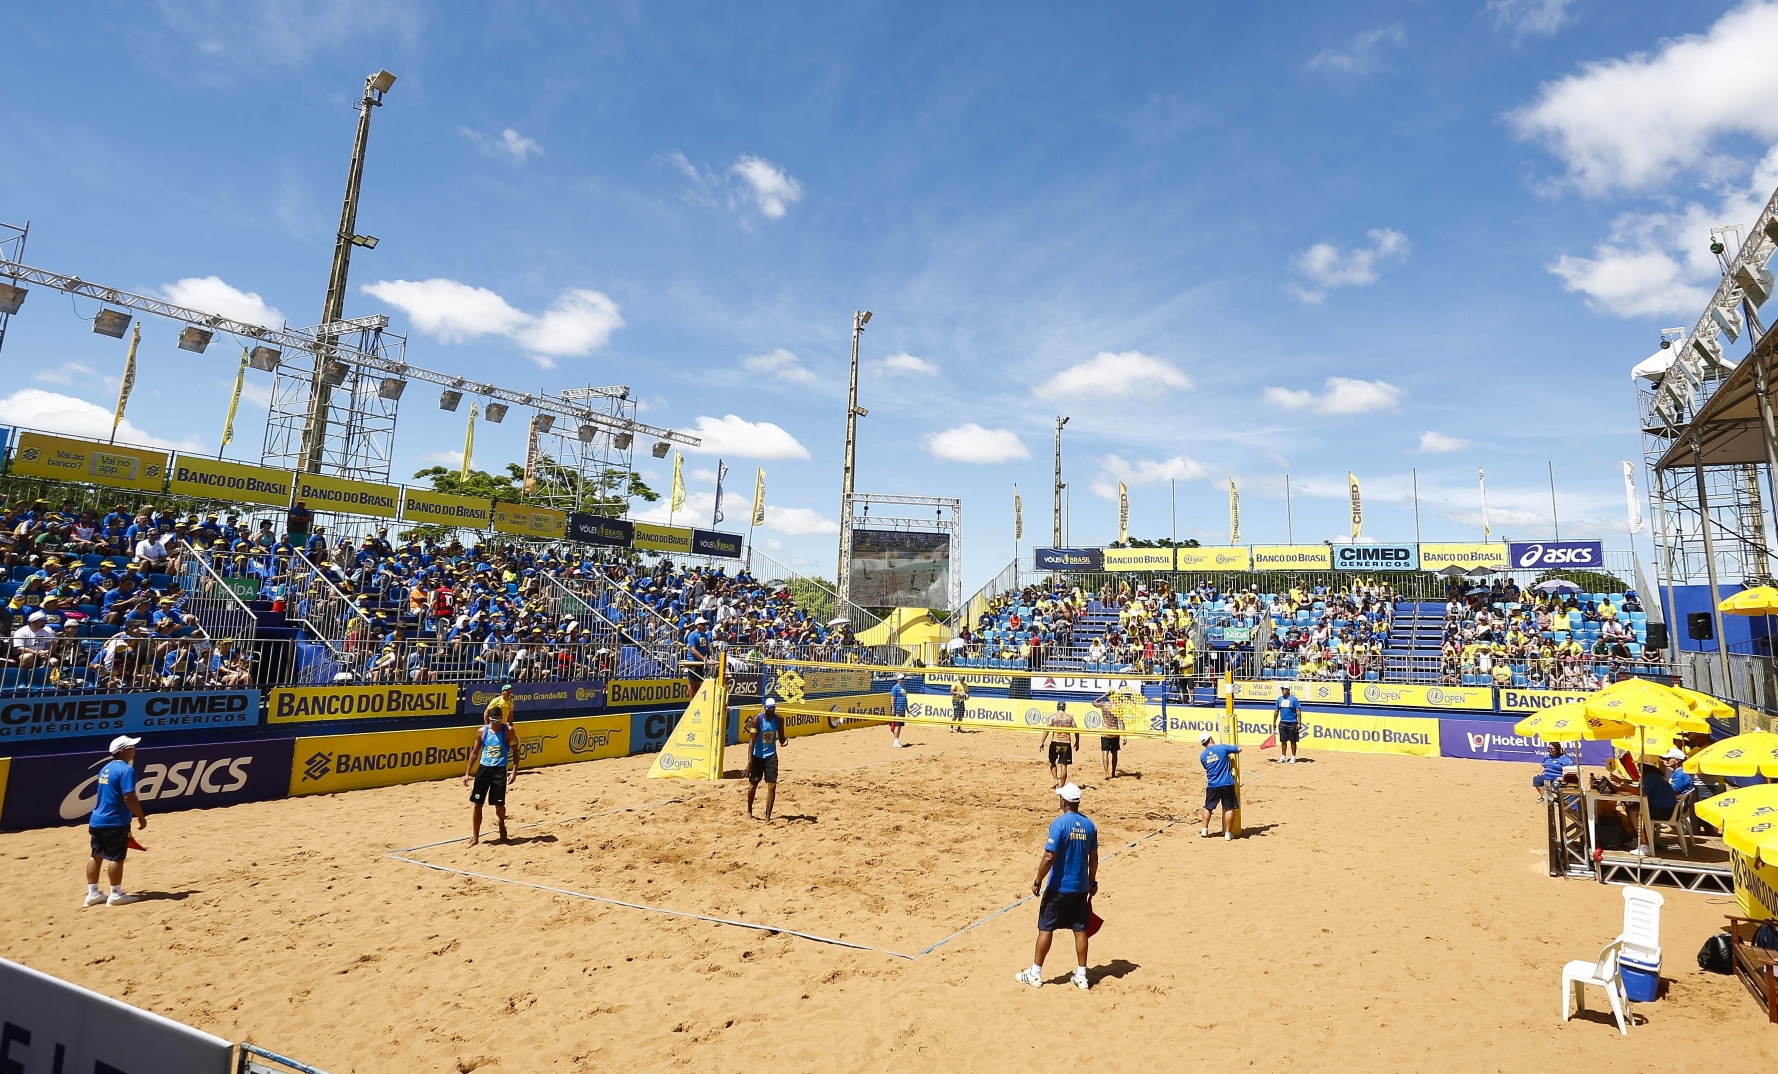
(1234, 815)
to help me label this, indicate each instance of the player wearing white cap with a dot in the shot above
(108, 829)
(765, 734)
(1071, 860)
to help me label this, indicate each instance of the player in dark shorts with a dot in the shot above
(493, 764)
(1061, 743)
(1109, 744)
(959, 704)
(765, 734)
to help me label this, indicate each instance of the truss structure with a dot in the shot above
(935, 514)
(359, 440)
(12, 250)
(599, 465)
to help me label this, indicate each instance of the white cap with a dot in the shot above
(1068, 792)
(771, 703)
(1674, 754)
(123, 742)
(1203, 738)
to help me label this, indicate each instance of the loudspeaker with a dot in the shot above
(1657, 636)
(1699, 627)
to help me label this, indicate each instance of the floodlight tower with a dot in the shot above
(843, 583)
(314, 436)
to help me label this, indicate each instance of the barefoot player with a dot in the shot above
(493, 763)
(1062, 744)
(766, 731)
(1109, 744)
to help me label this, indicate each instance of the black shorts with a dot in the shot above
(1220, 796)
(1109, 744)
(112, 844)
(1289, 732)
(1061, 753)
(762, 768)
(957, 710)
(1064, 910)
(490, 787)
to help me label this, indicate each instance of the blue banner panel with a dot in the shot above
(33, 717)
(1376, 557)
(649, 730)
(1493, 740)
(714, 543)
(1542, 555)
(1070, 559)
(597, 529)
(59, 789)
(533, 697)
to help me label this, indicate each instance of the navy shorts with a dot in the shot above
(1288, 731)
(1064, 910)
(762, 768)
(112, 844)
(1220, 796)
(1062, 753)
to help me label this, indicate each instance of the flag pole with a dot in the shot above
(129, 381)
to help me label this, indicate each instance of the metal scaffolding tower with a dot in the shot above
(358, 424)
(597, 459)
(12, 249)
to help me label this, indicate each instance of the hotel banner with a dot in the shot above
(1138, 559)
(1216, 558)
(348, 497)
(236, 482)
(653, 538)
(1478, 698)
(86, 462)
(1437, 557)
(1292, 557)
(523, 520)
(445, 509)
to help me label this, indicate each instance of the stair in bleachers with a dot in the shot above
(1416, 635)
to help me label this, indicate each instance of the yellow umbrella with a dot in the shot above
(1645, 704)
(1651, 744)
(1752, 754)
(1740, 806)
(1760, 600)
(1570, 723)
(1703, 704)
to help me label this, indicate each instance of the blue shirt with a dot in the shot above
(116, 779)
(1073, 840)
(1289, 709)
(1657, 790)
(765, 742)
(1553, 767)
(1215, 760)
(496, 747)
(1682, 781)
(898, 699)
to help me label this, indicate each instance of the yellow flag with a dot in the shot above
(1018, 515)
(1123, 513)
(469, 443)
(129, 381)
(1357, 505)
(759, 499)
(228, 427)
(678, 502)
(694, 749)
(1234, 513)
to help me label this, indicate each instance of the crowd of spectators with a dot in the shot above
(1543, 638)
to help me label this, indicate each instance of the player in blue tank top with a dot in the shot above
(493, 763)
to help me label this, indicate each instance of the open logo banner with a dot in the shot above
(1215, 558)
(317, 704)
(1477, 698)
(534, 696)
(32, 718)
(45, 791)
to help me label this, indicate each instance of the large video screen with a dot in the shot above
(898, 569)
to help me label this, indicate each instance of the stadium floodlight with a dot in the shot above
(1709, 350)
(265, 359)
(369, 242)
(864, 318)
(545, 422)
(495, 412)
(194, 339)
(391, 388)
(381, 81)
(586, 433)
(622, 441)
(111, 323)
(660, 449)
(1756, 283)
(11, 298)
(333, 373)
(449, 398)
(1727, 318)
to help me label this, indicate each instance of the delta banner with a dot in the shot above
(51, 1026)
(714, 543)
(534, 696)
(318, 704)
(1292, 557)
(1319, 692)
(445, 509)
(1216, 558)
(1478, 698)
(652, 538)
(1409, 735)
(236, 482)
(34, 718)
(1543, 555)
(523, 520)
(1513, 699)
(1756, 887)
(1068, 559)
(1376, 557)
(1493, 740)
(62, 459)
(1437, 557)
(627, 693)
(598, 529)
(1138, 559)
(55, 789)
(350, 497)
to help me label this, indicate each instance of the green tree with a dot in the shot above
(815, 596)
(607, 493)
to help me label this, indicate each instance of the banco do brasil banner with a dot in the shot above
(34, 718)
(330, 763)
(652, 538)
(318, 704)
(627, 693)
(445, 509)
(1292, 557)
(84, 461)
(1138, 559)
(213, 479)
(350, 497)
(1437, 557)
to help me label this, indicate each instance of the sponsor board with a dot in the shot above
(1215, 558)
(626, 693)
(55, 789)
(562, 741)
(649, 730)
(945, 679)
(532, 696)
(445, 509)
(351, 497)
(83, 461)
(652, 538)
(714, 543)
(823, 717)
(31, 718)
(1514, 699)
(1410, 735)
(1292, 557)
(1186, 724)
(317, 704)
(1436, 557)
(48, 1026)
(523, 520)
(213, 479)
(1006, 714)
(598, 529)
(1138, 559)
(1479, 698)
(1541, 555)
(5, 771)
(1493, 740)
(1323, 693)
(325, 764)
(1756, 887)
(1376, 557)
(1069, 559)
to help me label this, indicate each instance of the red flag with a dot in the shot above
(135, 845)
(1094, 922)
(1271, 740)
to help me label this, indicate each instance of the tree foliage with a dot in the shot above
(607, 493)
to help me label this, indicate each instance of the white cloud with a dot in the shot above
(904, 364)
(1327, 266)
(1531, 18)
(69, 374)
(1340, 395)
(256, 394)
(735, 437)
(781, 365)
(970, 442)
(1107, 375)
(578, 322)
(773, 544)
(52, 412)
(509, 143)
(209, 294)
(1630, 123)
(1631, 283)
(1115, 468)
(799, 521)
(1362, 55)
(771, 187)
(1432, 443)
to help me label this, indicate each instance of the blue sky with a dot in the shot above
(1227, 240)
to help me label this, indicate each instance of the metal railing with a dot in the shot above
(134, 660)
(766, 569)
(219, 610)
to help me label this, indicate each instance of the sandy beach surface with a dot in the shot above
(1384, 913)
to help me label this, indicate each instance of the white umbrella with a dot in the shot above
(839, 620)
(956, 643)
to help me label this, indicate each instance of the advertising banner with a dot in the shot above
(1479, 698)
(561, 741)
(1138, 559)
(330, 763)
(1324, 693)
(350, 497)
(49, 790)
(1376, 557)
(236, 482)
(444, 509)
(52, 1027)
(1215, 558)
(1542, 555)
(900, 569)
(1069, 559)
(598, 529)
(523, 520)
(1091, 687)
(1008, 715)
(534, 696)
(62, 459)
(34, 718)
(1410, 735)
(654, 538)
(714, 543)
(628, 693)
(1292, 557)
(823, 717)
(1493, 740)
(1436, 557)
(794, 684)
(1513, 699)
(1756, 887)
(318, 704)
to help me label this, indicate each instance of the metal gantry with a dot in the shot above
(600, 461)
(859, 514)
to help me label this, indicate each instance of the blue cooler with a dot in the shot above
(1641, 975)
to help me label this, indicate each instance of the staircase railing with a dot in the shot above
(219, 610)
(644, 662)
(635, 622)
(766, 569)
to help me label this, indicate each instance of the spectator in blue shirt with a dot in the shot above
(1071, 860)
(1219, 789)
(108, 829)
(898, 707)
(1287, 725)
(1555, 766)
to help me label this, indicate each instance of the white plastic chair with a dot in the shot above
(1603, 973)
(1641, 937)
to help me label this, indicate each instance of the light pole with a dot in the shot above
(843, 583)
(1060, 421)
